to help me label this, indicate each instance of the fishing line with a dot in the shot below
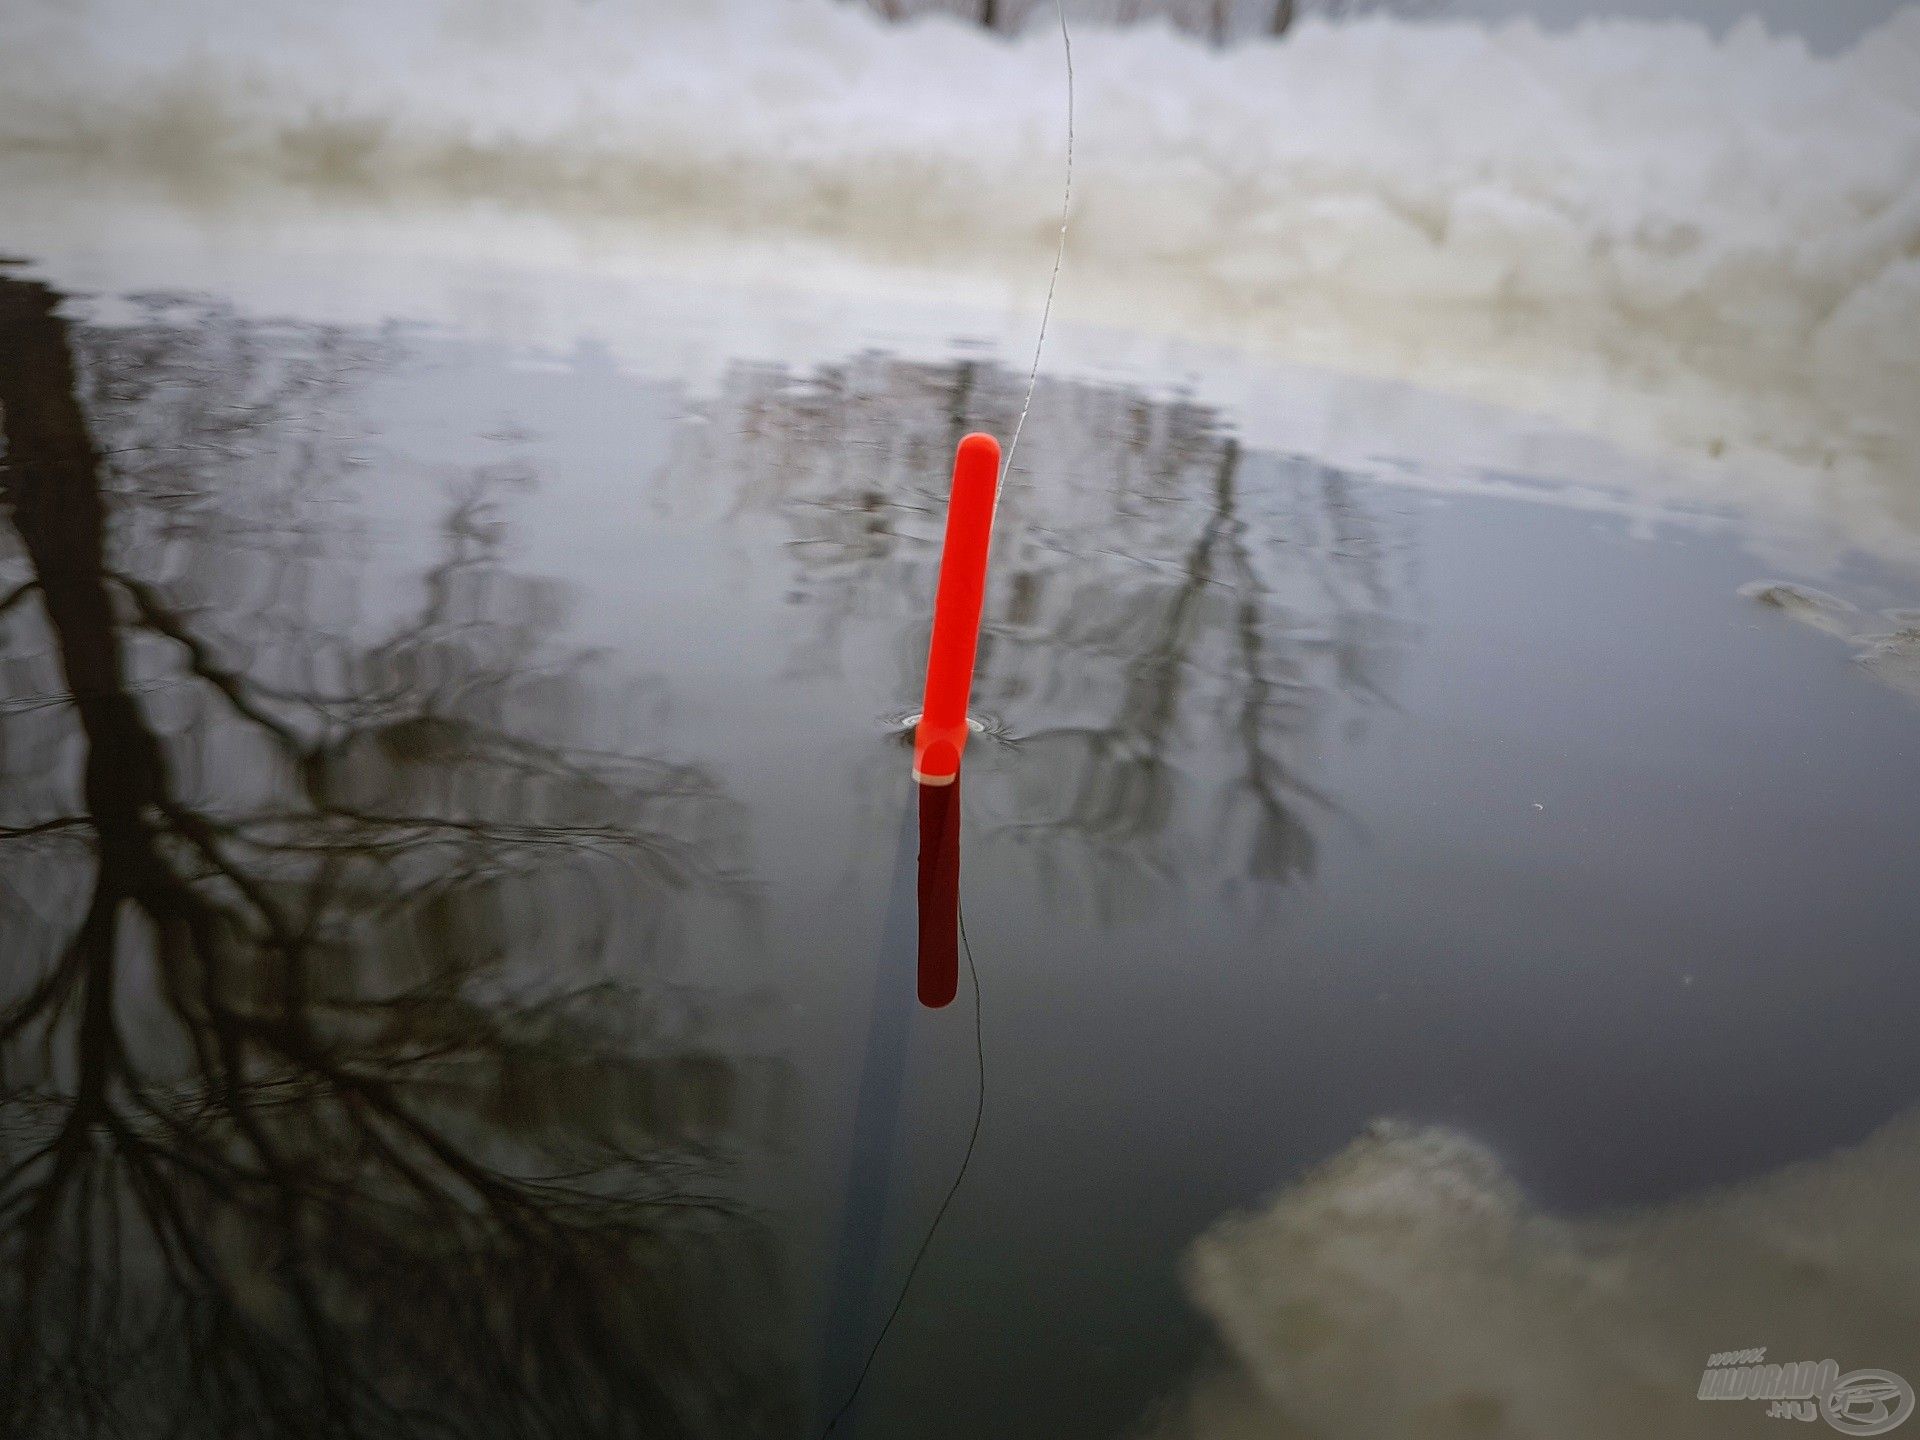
(960, 908)
(1059, 255)
(979, 1110)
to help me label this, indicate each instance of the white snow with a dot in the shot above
(1638, 228)
(1408, 1288)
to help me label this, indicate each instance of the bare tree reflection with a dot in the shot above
(316, 1117)
(1186, 614)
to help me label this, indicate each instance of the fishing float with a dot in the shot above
(941, 733)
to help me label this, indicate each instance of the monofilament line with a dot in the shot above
(1059, 255)
(966, 1159)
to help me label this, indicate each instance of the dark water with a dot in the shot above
(457, 929)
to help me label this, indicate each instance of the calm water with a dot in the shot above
(457, 915)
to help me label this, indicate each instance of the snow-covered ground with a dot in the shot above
(1691, 243)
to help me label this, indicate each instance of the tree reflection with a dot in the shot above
(321, 1109)
(1174, 619)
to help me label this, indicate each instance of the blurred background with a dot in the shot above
(1824, 26)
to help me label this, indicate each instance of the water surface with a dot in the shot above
(454, 869)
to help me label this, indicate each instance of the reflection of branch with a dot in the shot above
(19, 593)
(45, 827)
(205, 1223)
(1184, 600)
(229, 683)
(1282, 845)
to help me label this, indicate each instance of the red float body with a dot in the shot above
(942, 732)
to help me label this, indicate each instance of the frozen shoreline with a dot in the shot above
(1491, 406)
(1694, 247)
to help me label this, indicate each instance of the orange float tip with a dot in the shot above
(958, 598)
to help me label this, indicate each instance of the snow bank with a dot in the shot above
(1643, 165)
(1886, 645)
(1639, 166)
(1634, 226)
(1407, 1289)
